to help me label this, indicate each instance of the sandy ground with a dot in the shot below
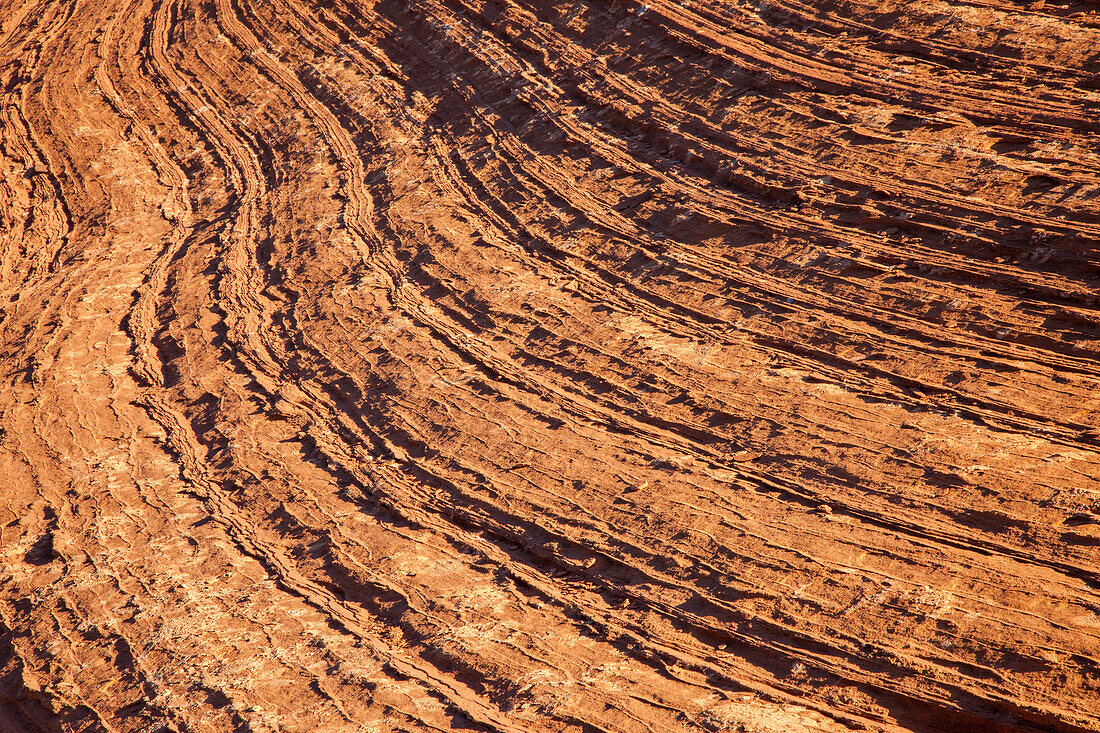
(549, 366)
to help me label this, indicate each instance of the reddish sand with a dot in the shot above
(549, 366)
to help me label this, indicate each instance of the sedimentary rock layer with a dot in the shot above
(549, 366)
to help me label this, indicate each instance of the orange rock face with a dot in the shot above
(549, 366)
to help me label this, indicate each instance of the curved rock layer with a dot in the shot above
(549, 366)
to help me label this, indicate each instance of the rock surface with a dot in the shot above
(549, 366)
